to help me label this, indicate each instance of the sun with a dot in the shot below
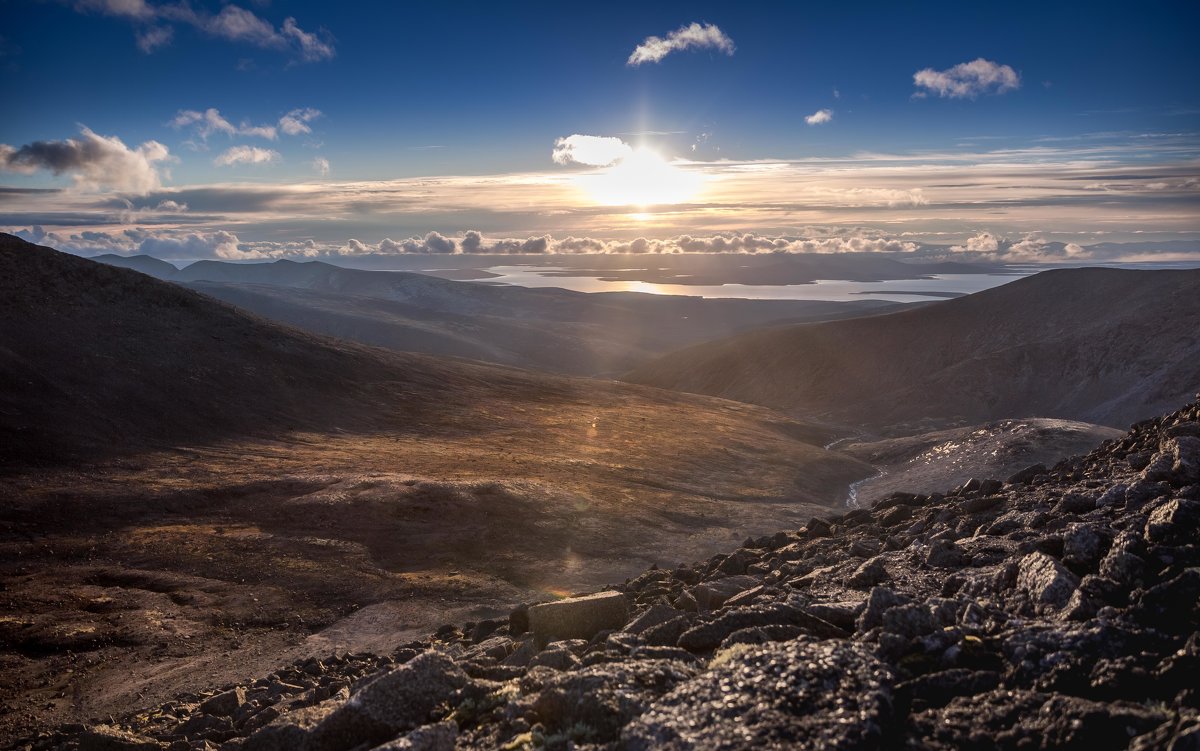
(643, 178)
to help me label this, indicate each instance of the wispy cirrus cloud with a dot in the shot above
(246, 155)
(967, 80)
(295, 123)
(692, 36)
(210, 121)
(154, 27)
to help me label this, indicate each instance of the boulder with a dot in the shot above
(868, 574)
(578, 617)
(604, 698)
(652, 616)
(1047, 581)
(796, 694)
(1176, 521)
(399, 700)
(226, 703)
(437, 737)
(1083, 547)
(713, 594)
(708, 636)
(290, 730)
(108, 738)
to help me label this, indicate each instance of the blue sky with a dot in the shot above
(413, 90)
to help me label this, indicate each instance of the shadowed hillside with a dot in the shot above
(1100, 345)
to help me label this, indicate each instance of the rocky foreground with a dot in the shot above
(1058, 609)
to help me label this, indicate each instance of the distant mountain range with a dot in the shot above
(1100, 345)
(549, 329)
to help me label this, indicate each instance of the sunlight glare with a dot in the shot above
(644, 178)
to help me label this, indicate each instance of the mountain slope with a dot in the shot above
(549, 329)
(1058, 612)
(181, 478)
(1099, 345)
(610, 342)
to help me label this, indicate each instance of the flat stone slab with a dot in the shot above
(578, 617)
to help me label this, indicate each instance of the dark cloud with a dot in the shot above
(94, 161)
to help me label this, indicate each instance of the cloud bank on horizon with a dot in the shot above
(844, 182)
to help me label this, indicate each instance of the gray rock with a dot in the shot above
(226, 703)
(878, 602)
(865, 548)
(518, 620)
(400, 700)
(652, 616)
(909, 620)
(437, 737)
(708, 636)
(604, 698)
(868, 574)
(556, 658)
(944, 554)
(667, 634)
(1026, 720)
(578, 617)
(713, 594)
(1083, 547)
(521, 656)
(1047, 581)
(798, 694)
(1176, 521)
(108, 738)
(1113, 496)
(1027, 475)
(290, 731)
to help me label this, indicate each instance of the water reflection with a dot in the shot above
(934, 287)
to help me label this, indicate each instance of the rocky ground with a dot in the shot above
(1057, 609)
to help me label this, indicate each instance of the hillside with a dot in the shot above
(607, 335)
(549, 329)
(928, 462)
(1099, 345)
(182, 478)
(1058, 611)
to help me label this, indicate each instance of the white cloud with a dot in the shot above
(819, 117)
(233, 23)
(321, 166)
(154, 37)
(161, 244)
(211, 121)
(220, 244)
(312, 47)
(296, 122)
(136, 9)
(596, 151)
(246, 155)
(968, 80)
(984, 242)
(95, 162)
(694, 35)
(240, 25)
(474, 241)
